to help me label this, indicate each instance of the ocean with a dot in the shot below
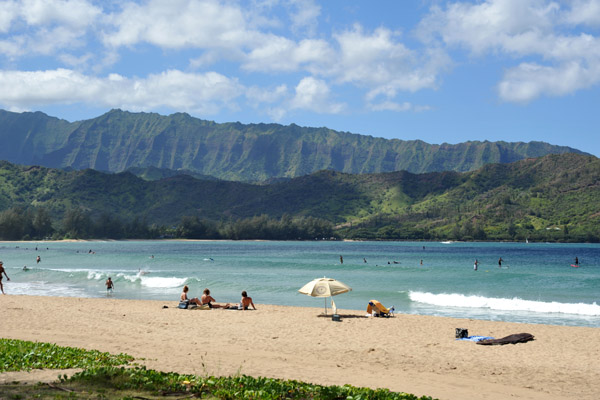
(536, 284)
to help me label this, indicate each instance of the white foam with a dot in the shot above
(514, 304)
(160, 282)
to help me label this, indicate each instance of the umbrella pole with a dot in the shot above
(325, 305)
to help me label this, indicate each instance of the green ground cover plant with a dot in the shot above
(19, 355)
(107, 376)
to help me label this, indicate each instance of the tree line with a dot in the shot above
(18, 223)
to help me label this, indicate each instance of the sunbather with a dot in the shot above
(208, 299)
(246, 301)
(184, 297)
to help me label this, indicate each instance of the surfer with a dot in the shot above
(2, 271)
(364, 260)
(341, 259)
(475, 265)
(577, 261)
(500, 262)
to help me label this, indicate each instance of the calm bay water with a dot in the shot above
(538, 286)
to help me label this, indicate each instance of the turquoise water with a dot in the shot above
(538, 285)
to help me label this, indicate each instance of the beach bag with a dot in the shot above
(461, 333)
(183, 304)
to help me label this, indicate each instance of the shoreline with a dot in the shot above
(412, 353)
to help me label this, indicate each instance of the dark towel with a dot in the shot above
(510, 339)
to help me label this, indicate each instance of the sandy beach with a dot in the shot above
(415, 354)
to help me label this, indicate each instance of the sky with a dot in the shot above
(438, 71)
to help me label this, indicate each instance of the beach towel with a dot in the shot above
(510, 339)
(475, 338)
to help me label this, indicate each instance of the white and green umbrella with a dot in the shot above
(325, 287)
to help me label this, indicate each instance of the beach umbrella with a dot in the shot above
(325, 287)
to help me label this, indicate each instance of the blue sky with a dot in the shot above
(439, 71)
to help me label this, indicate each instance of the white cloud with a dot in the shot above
(72, 13)
(257, 94)
(179, 24)
(584, 12)
(528, 29)
(280, 54)
(46, 26)
(397, 107)
(507, 25)
(314, 95)
(8, 12)
(304, 16)
(529, 81)
(379, 62)
(204, 93)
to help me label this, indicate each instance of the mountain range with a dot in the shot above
(152, 145)
(554, 197)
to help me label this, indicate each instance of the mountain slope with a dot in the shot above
(554, 197)
(118, 140)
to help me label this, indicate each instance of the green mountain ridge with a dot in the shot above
(121, 140)
(554, 197)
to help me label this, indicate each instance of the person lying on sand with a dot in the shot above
(208, 299)
(184, 297)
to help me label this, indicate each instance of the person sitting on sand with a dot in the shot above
(2, 271)
(208, 299)
(246, 301)
(184, 297)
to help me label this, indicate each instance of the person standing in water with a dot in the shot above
(341, 259)
(475, 265)
(109, 285)
(500, 262)
(2, 271)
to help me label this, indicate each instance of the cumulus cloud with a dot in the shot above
(45, 26)
(205, 93)
(380, 62)
(584, 12)
(314, 95)
(529, 81)
(538, 29)
(179, 24)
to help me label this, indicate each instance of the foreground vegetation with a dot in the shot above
(553, 198)
(104, 378)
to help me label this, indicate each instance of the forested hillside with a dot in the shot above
(119, 140)
(554, 197)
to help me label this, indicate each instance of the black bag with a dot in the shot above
(461, 333)
(183, 304)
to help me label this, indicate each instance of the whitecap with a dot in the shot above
(503, 304)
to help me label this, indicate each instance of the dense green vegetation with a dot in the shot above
(552, 198)
(19, 355)
(103, 378)
(118, 141)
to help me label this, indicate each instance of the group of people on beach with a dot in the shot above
(207, 299)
